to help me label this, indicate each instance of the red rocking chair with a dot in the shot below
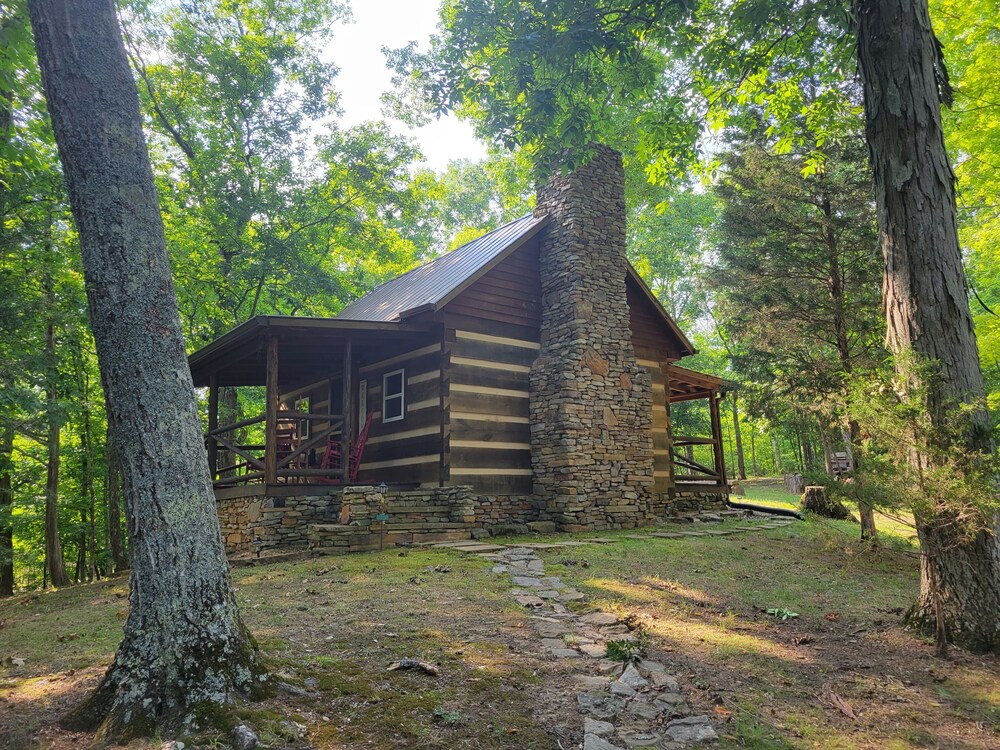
(331, 458)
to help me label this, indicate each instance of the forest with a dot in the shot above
(757, 213)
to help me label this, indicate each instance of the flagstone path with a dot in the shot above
(634, 705)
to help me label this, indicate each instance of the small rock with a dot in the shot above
(633, 739)
(526, 581)
(552, 594)
(664, 681)
(553, 643)
(572, 595)
(529, 601)
(565, 653)
(593, 742)
(593, 650)
(617, 688)
(599, 618)
(691, 729)
(632, 678)
(641, 708)
(598, 705)
(600, 728)
(550, 629)
(497, 569)
(244, 738)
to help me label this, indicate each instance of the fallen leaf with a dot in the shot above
(832, 616)
(843, 706)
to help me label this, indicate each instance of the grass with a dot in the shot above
(331, 626)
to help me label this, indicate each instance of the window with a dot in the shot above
(393, 407)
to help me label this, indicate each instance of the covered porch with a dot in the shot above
(298, 420)
(697, 462)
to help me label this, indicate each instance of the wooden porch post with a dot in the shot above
(271, 414)
(720, 459)
(348, 430)
(213, 425)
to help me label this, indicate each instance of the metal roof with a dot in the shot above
(428, 286)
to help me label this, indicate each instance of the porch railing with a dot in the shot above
(688, 469)
(298, 458)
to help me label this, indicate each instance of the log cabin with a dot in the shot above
(524, 379)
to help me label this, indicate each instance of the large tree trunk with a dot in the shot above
(53, 548)
(740, 461)
(185, 646)
(6, 509)
(927, 307)
(112, 492)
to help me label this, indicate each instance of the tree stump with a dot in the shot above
(794, 483)
(816, 500)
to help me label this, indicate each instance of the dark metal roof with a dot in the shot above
(428, 286)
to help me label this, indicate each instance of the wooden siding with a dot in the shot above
(510, 293)
(405, 451)
(487, 404)
(652, 337)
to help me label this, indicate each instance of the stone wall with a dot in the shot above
(591, 402)
(501, 510)
(255, 522)
(688, 501)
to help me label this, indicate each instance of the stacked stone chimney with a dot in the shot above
(591, 402)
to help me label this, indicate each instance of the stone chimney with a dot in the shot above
(591, 402)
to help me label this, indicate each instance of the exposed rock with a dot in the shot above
(600, 728)
(593, 742)
(599, 705)
(244, 738)
(636, 739)
(691, 729)
(599, 618)
(632, 678)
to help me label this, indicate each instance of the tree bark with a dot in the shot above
(53, 548)
(740, 461)
(776, 455)
(112, 491)
(926, 302)
(185, 646)
(6, 509)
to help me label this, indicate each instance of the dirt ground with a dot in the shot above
(840, 673)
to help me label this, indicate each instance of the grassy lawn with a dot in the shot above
(331, 626)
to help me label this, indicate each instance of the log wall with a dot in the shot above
(407, 451)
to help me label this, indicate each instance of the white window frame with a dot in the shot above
(401, 395)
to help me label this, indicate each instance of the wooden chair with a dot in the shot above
(332, 459)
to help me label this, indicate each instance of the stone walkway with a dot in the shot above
(634, 705)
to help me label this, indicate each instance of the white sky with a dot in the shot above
(363, 77)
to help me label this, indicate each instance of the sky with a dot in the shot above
(356, 50)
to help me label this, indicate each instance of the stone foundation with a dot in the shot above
(591, 402)
(255, 522)
(345, 519)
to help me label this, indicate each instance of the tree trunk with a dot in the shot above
(753, 455)
(827, 443)
(185, 646)
(815, 499)
(776, 455)
(926, 303)
(112, 491)
(53, 548)
(6, 510)
(740, 461)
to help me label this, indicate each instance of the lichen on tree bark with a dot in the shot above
(185, 645)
